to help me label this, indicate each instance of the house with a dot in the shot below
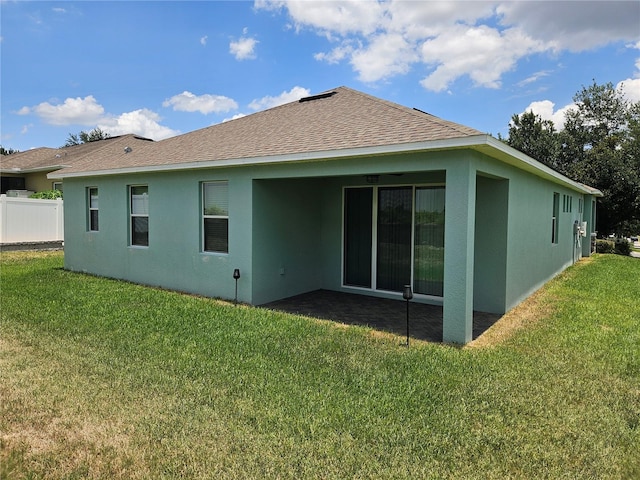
(38, 221)
(28, 170)
(340, 191)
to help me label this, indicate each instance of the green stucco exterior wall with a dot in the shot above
(285, 230)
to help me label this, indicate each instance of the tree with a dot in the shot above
(599, 146)
(534, 136)
(7, 151)
(85, 137)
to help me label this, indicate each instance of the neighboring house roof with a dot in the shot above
(45, 159)
(335, 124)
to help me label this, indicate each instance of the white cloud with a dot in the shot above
(545, 108)
(340, 17)
(385, 56)
(479, 39)
(575, 26)
(188, 102)
(244, 48)
(296, 93)
(533, 78)
(203, 40)
(630, 89)
(73, 111)
(141, 122)
(336, 55)
(483, 53)
(88, 112)
(235, 117)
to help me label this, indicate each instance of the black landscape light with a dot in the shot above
(236, 276)
(407, 294)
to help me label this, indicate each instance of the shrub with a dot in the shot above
(604, 246)
(619, 247)
(622, 247)
(47, 195)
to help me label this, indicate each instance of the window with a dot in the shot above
(92, 202)
(554, 218)
(215, 217)
(394, 236)
(139, 208)
(57, 186)
(358, 217)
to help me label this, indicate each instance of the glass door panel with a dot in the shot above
(428, 265)
(394, 238)
(358, 210)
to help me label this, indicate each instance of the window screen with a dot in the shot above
(215, 216)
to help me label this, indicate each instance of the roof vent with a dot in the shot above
(317, 97)
(128, 149)
(422, 111)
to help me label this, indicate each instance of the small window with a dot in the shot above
(57, 186)
(215, 217)
(92, 201)
(139, 207)
(554, 218)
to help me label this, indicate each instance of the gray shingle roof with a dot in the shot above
(50, 159)
(335, 120)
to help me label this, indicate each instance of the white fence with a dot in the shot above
(30, 220)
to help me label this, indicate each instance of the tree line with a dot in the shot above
(598, 146)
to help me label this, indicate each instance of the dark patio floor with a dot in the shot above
(425, 321)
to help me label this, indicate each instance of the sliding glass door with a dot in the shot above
(394, 236)
(393, 268)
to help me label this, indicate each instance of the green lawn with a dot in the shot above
(105, 379)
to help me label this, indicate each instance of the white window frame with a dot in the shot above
(554, 218)
(133, 215)
(206, 216)
(91, 209)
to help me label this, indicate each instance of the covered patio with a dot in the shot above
(425, 321)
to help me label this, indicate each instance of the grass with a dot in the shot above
(106, 379)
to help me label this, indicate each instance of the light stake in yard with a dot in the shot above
(407, 294)
(236, 276)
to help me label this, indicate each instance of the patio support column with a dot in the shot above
(459, 251)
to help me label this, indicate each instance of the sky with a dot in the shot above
(160, 68)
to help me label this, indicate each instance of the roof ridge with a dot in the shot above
(453, 125)
(414, 111)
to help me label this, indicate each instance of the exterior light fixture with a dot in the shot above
(236, 276)
(407, 294)
(372, 178)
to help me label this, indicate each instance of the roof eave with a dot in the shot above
(503, 152)
(280, 159)
(22, 171)
(483, 143)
